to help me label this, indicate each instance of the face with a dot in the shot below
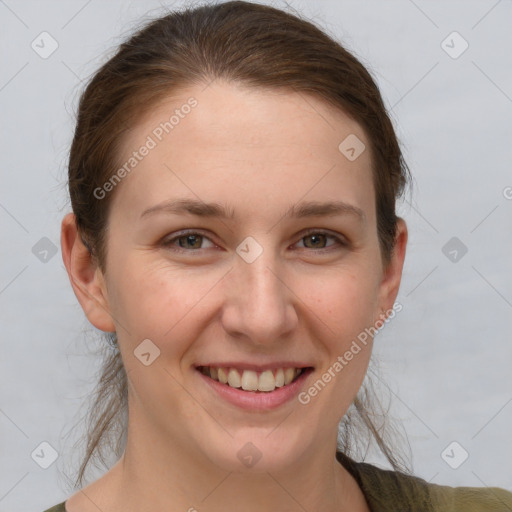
(244, 239)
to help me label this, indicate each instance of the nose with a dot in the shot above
(259, 303)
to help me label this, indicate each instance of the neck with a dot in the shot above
(157, 473)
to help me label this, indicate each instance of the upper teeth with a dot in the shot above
(250, 380)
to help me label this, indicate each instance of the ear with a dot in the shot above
(388, 288)
(86, 278)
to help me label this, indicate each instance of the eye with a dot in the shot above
(186, 241)
(318, 239)
(191, 241)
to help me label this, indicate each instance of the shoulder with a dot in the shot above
(470, 499)
(57, 508)
(387, 490)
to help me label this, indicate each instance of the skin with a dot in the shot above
(258, 152)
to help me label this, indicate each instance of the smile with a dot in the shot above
(249, 380)
(253, 390)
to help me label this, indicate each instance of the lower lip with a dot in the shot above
(252, 400)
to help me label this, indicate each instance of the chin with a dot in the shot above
(256, 451)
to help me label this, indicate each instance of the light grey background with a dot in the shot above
(446, 357)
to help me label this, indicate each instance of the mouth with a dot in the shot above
(252, 381)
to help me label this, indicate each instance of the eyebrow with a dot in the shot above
(216, 210)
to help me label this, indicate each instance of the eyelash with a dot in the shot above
(168, 243)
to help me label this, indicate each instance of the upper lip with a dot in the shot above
(257, 367)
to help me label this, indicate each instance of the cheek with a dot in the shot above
(344, 300)
(346, 304)
(165, 303)
(171, 305)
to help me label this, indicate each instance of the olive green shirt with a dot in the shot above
(392, 491)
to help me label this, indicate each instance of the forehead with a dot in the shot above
(253, 147)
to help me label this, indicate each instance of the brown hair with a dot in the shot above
(259, 46)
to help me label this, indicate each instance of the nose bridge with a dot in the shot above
(261, 309)
(261, 281)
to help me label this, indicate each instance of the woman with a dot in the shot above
(233, 178)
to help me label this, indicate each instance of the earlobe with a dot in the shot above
(85, 276)
(392, 276)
